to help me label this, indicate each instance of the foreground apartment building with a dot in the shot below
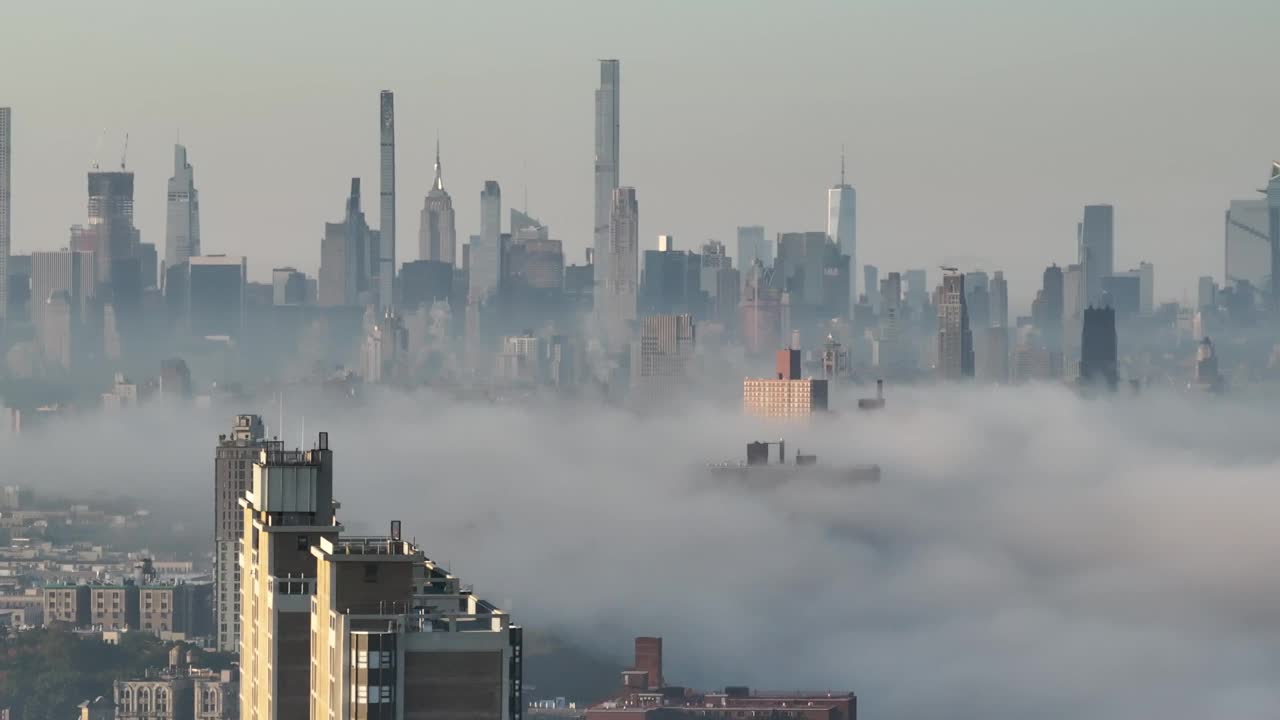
(358, 627)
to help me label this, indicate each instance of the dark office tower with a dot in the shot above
(232, 471)
(1273, 230)
(1098, 353)
(110, 233)
(871, 285)
(1051, 305)
(1097, 248)
(147, 264)
(386, 272)
(955, 341)
(343, 259)
(216, 302)
(6, 139)
(608, 127)
(182, 224)
(437, 235)
(999, 297)
(423, 282)
(978, 304)
(799, 266)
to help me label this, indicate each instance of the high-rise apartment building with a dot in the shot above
(608, 131)
(386, 272)
(6, 199)
(622, 284)
(182, 224)
(665, 352)
(353, 628)
(287, 510)
(437, 234)
(485, 274)
(842, 221)
(344, 255)
(955, 341)
(232, 472)
(1099, 360)
(1096, 233)
(397, 636)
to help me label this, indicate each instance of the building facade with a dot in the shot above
(608, 133)
(842, 218)
(485, 272)
(232, 471)
(437, 233)
(955, 341)
(1097, 248)
(386, 272)
(182, 223)
(618, 302)
(6, 199)
(664, 355)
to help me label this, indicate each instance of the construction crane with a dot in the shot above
(949, 269)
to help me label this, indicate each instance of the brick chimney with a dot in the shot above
(649, 659)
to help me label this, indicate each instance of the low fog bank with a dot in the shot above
(1027, 553)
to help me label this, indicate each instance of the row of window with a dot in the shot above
(374, 659)
(375, 695)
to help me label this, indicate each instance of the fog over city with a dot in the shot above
(1029, 552)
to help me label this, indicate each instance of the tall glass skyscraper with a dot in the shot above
(486, 255)
(386, 272)
(955, 340)
(842, 220)
(606, 165)
(182, 227)
(623, 282)
(1273, 231)
(1097, 248)
(1247, 253)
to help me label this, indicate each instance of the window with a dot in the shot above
(302, 542)
(370, 572)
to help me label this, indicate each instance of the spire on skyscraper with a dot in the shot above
(439, 181)
(842, 182)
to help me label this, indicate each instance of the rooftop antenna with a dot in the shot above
(124, 154)
(842, 164)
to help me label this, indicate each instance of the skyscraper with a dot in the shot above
(437, 234)
(608, 129)
(999, 297)
(871, 285)
(344, 255)
(386, 272)
(1247, 251)
(955, 341)
(623, 280)
(842, 227)
(182, 225)
(216, 302)
(1096, 234)
(486, 255)
(1050, 308)
(1273, 232)
(286, 511)
(232, 470)
(752, 246)
(664, 352)
(69, 275)
(1074, 292)
(1098, 352)
(6, 152)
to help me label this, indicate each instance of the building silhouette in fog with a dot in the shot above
(1098, 351)
(955, 341)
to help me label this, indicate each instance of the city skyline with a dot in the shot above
(766, 168)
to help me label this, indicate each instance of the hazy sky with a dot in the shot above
(975, 131)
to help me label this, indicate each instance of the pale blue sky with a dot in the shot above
(974, 129)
